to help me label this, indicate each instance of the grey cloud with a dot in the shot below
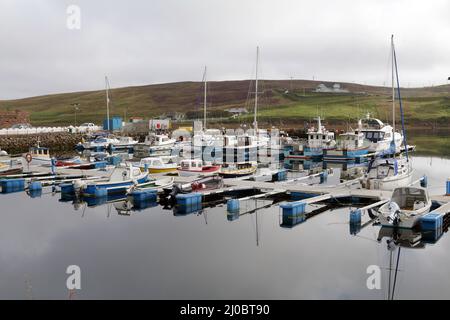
(142, 42)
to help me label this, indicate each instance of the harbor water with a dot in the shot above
(160, 253)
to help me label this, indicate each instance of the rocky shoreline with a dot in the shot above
(57, 142)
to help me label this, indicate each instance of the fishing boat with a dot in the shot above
(123, 143)
(158, 164)
(406, 207)
(38, 155)
(239, 169)
(121, 179)
(350, 146)
(319, 139)
(154, 145)
(99, 143)
(192, 167)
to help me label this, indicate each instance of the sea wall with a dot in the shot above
(62, 141)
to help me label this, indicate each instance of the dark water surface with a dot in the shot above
(153, 254)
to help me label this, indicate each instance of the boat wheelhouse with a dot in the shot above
(350, 146)
(380, 135)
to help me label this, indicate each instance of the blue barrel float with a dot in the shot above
(293, 213)
(67, 188)
(142, 199)
(12, 185)
(233, 205)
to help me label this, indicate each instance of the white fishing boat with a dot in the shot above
(158, 164)
(192, 167)
(406, 207)
(154, 145)
(349, 146)
(319, 139)
(123, 142)
(99, 143)
(37, 155)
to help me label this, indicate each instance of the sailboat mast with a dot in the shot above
(204, 99)
(255, 122)
(393, 86)
(107, 102)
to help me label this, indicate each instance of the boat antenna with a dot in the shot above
(400, 100)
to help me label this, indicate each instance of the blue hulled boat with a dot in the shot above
(121, 179)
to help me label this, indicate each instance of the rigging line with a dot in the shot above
(396, 270)
(401, 104)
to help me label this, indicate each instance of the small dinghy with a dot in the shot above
(154, 184)
(158, 164)
(237, 170)
(406, 207)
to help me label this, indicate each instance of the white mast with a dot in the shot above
(255, 122)
(107, 102)
(204, 100)
(393, 87)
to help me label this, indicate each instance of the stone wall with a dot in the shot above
(57, 142)
(10, 118)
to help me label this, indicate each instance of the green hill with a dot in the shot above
(280, 101)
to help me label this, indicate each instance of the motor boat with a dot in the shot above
(123, 143)
(350, 145)
(158, 164)
(239, 169)
(154, 145)
(192, 167)
(120, 180)
(380, 135)
(406, 207)
(319, 139)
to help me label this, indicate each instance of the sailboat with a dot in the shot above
(393, 172)
(207, 142)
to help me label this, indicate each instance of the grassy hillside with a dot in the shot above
(423, 106)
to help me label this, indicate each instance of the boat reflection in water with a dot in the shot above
(397, 239)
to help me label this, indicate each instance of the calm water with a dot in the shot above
(154, 254)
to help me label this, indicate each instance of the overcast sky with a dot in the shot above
(139, 42)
